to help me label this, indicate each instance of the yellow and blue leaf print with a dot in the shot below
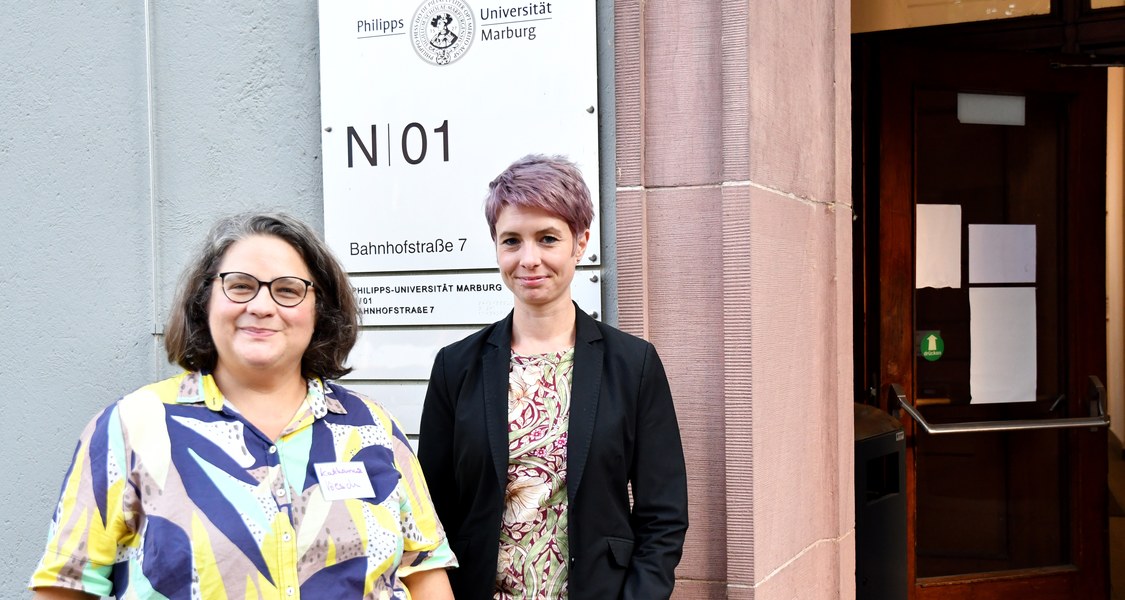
(172, 494)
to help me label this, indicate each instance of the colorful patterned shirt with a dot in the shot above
(173, 494)
(532, 562)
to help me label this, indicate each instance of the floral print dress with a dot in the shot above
(533, 540)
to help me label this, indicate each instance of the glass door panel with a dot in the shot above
(988, 228)
(989, 344)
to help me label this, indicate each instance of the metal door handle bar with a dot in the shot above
(1097, 406)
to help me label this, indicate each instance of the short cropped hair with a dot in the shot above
(187, 337)
(550, 183)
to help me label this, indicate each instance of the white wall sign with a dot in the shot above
(423, 102)
(452, 299)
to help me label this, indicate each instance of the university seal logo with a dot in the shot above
(442, 30)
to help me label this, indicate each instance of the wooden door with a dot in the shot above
(988, 235)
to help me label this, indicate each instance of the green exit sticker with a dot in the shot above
(931, 347)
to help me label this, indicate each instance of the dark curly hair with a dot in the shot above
(187, 337)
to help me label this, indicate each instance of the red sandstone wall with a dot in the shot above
(734, 258)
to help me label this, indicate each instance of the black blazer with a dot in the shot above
(622, 431)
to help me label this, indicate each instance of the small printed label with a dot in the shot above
(931, 347)
(343, 480)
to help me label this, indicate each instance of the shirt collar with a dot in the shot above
(323, 401)
(200, 388)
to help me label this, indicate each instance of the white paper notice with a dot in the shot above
(1001, 254)
(1002, 344)
(343, 480)
(938, 254)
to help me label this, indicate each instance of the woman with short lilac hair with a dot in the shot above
(538, 429)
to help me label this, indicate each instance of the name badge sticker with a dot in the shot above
(343, 480)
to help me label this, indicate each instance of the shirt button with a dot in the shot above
(273, 449)
(289, 591)
(285, 536)
(281, 492)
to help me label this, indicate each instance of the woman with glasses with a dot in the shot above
(251, 474)
(537, 429)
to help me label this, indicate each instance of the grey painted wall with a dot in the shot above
(123, 134)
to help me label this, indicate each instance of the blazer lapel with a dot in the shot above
(496, 361)
(584, 393)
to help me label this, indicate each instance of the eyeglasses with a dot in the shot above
(241, 288)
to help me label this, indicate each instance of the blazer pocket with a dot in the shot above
(620, 551)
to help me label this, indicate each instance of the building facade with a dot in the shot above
(728, 228)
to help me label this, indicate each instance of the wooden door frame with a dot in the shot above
(887, 299)
(1070, 28)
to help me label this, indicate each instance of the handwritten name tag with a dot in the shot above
(342, 480)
